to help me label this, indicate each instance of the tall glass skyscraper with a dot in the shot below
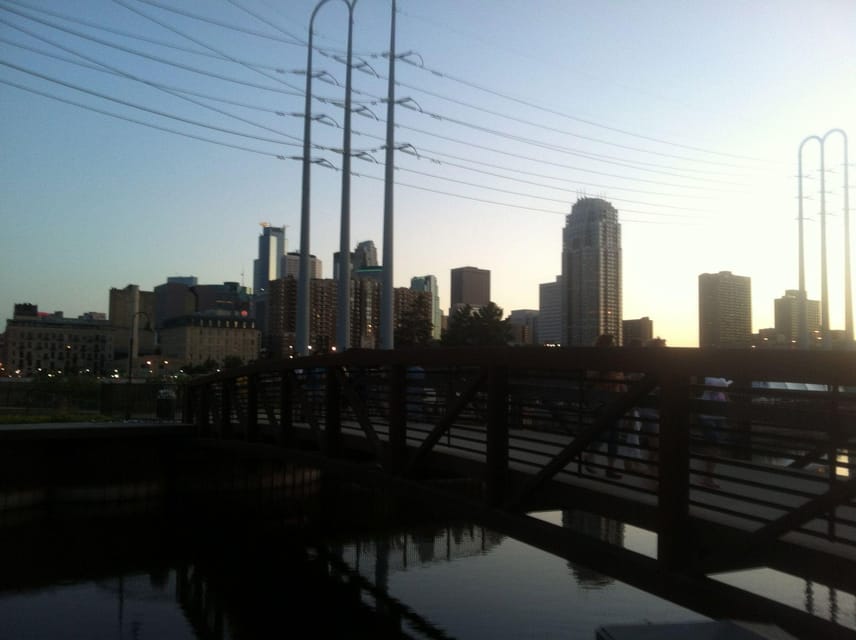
(268, 266)
(591, 273)
(724, 310)
(428, 284)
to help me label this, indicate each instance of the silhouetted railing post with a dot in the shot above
(332, 414)
(203, 417)
(188, 400)
(286, 410)
(674, 536)
(497, 435)
(226, 386)
(740, 417)
(397, 458)
(253, 407)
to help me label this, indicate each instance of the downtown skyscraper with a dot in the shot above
(724, 310)
(591, 273)
(268, 266)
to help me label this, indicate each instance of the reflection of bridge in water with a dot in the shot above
(772, 487)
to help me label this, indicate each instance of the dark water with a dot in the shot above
(458, 581)
(345, 564)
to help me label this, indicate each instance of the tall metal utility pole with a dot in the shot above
(343, 322)
(303, 310)
(803, 304)
(848, 295)
(387, 330)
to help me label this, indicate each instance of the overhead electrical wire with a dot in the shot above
(587, 155)
(643, 166)
(435, 116)
(156, 112)
(195, 41)
(166, 61)
(147, 124)
(143, 81)
(536, 143)
(283, 157)
(556, 112)
(524, 102)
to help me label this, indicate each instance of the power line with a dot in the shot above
(155, 41)
(528, 103)
(148, 124)
(132, 77)
(593, 171)
(300, 158)
(179, 32)
(526, 195)
(493, 202)
(547, 186)
(157, 112)
(583, 154)
(531, 123)
(143, 54)
(280, 113)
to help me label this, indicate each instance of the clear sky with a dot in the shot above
(687, 116)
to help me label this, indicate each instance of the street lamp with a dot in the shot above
(303, 314)
(131, 354)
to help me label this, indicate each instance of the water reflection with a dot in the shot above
(253, 578)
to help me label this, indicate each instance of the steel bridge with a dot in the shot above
(763, 479)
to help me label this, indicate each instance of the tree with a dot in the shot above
(482, 327)
(415, 326)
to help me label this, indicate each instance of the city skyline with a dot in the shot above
(683, 101)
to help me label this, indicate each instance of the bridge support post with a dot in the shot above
(674, 540)
(203, 416)
(332, 414)
(227, 386)
(497, 435)
(252, 408)
(397, 452)
(286, 413)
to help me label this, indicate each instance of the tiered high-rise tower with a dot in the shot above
(591, 273)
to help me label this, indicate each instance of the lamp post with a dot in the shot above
(303, 315)
(131, 355)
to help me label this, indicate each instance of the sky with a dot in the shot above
(161, 155)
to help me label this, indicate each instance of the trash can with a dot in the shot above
(166, 404)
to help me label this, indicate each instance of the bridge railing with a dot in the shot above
(771, 458)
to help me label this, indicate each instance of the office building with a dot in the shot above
(591, 273)
(48, 343)
(524, 326)
(724, 310)
(130, 308)
(787, 317)
(363, 258)
(469, 286)
(550, 328)
(638, 332)
(291, 266)
(213, 336)
(175, 299)
(268, 266)
(428, 284)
